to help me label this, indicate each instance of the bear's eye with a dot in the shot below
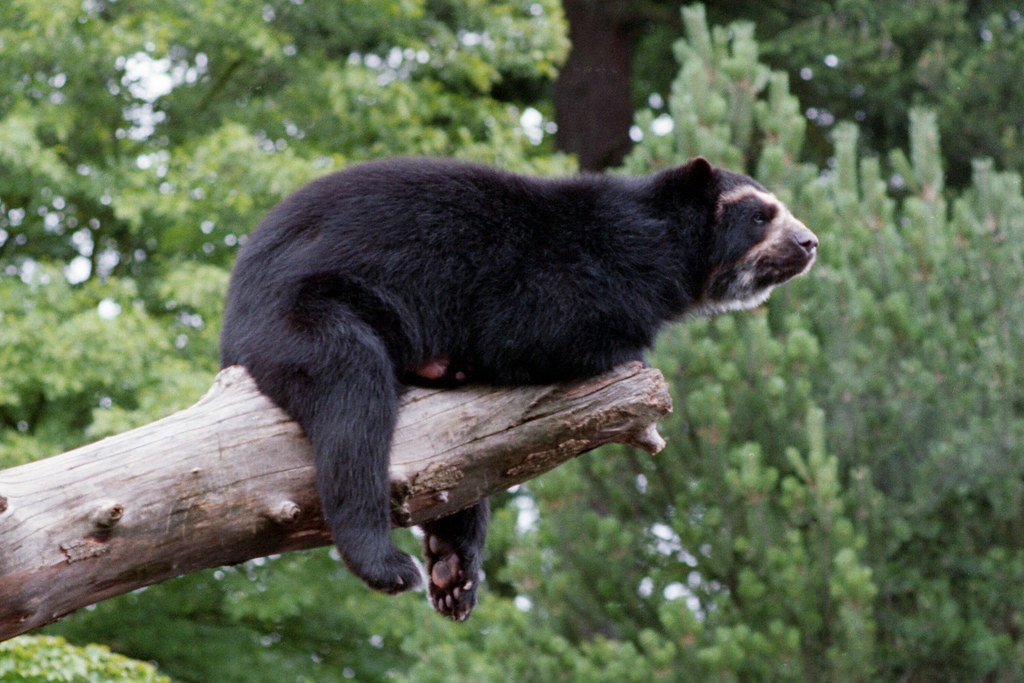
(762, 214)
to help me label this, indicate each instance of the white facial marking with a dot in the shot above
(752, 300)
(737, 193)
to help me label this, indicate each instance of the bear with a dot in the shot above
(414, 270)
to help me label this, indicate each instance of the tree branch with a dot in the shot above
(231, 478)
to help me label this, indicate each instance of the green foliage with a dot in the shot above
(735, 549)
(300, 617)
(886, 549)
(78, 363)
(139, 143)
(873, 61)
(720, 97)
(41, 659)
(519, 646)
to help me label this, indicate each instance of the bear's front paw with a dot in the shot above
(454, 578)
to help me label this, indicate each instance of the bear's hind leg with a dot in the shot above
(453, 546)
(347, 405)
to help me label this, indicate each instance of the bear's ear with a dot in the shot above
(685, 183)
(698, 171)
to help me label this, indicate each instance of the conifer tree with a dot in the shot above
(842, 494)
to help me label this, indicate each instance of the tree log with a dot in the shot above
(231, 478)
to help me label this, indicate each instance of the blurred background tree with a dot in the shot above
(848, 60)
(139, 143)
(842, 494)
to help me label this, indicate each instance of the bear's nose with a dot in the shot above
(807, 240)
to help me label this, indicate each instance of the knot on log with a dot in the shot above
(106, 516)
(284, 512)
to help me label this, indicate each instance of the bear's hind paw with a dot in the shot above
(453, 579)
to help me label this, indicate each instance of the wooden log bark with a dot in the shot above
(231, 478)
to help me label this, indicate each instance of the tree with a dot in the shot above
(872, 62)
(607, 72)
(846, 504)
(596, 79)
(865, 61)
(139, 143)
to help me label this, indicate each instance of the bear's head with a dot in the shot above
(753, 241)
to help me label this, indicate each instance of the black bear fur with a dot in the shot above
(415, 270)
